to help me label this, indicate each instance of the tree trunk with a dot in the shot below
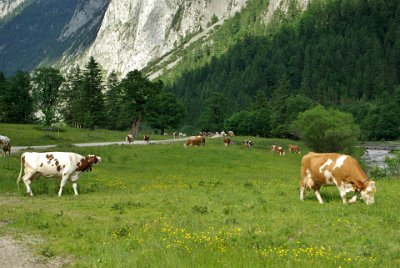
(135, 125)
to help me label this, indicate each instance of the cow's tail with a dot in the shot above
(20, 172)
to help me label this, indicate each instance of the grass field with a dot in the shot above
(25, 135)
(212, 206)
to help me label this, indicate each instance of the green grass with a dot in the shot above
(25, 135)
(212, 206)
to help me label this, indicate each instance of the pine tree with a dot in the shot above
(72, 93)
(93, 95)
(19, 99)
(112, 101)
(46, 83)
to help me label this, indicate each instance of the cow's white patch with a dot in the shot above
(327, 163)
(328, 177)
(349, 187)
(340, 161)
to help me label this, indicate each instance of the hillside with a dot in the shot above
(341, 54)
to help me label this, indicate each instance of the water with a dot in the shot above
(376, 157)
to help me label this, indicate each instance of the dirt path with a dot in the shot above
(93, 144)
(14, 254)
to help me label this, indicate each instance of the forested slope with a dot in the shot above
(344, 54)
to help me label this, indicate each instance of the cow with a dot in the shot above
(129, 138)
(227, 141)
(294, 148)
(277, 149)
(67, 166)
(5, 145)
(146, 139)
(248, 143)
(231, 134)
(195, 140)
(335, 169)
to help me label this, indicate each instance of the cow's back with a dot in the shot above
(339, 166)
(51, 161)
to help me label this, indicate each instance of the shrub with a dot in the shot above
(326, 130)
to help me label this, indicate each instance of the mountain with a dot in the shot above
(121, 35)
(39, 32)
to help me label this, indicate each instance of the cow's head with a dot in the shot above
(368, 192)
(93, 159)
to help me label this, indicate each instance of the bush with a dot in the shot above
(326, 130)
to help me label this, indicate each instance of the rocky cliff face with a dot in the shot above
(8, 6)
(122, 35)
(134, 32)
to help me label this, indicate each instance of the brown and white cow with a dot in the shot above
(129, 138)
(294, 148)
(5, 145)
(67, 166)
(335, 169)
(146, 139)
(277, 149)
(195, 140)
(227, 141)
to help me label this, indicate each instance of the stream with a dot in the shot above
(375, 154)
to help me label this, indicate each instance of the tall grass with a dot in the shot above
(212, 206)
(26, 135)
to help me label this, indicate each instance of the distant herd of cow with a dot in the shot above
(317, 169)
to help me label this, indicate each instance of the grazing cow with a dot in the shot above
(277, 149)
(294, 148)
(5, 145)
(129, 138)
(67, 166)
(248, 143)
(146, 139)
(227, 141)
(195, 140)
(335, 169)
(231, 134)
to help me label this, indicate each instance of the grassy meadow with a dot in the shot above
(24, 135)
(212, 206)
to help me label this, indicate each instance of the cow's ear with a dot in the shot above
(360, 184)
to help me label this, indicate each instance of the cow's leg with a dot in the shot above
(75, 186)
(27, 181)
(62, 184)
(318, 195)
(353, 199)
(302, 188)
(342, 192)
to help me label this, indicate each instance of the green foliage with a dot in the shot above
(137, 92)
(112, 99)
(382, 121)
(325, 130)
(393, 165)
(213, 20)
(336, 53)
(254, 122)
(92, 93)
(214, 113)
(45, 92)
(165, 112)
(17, 100)
(72, 93)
